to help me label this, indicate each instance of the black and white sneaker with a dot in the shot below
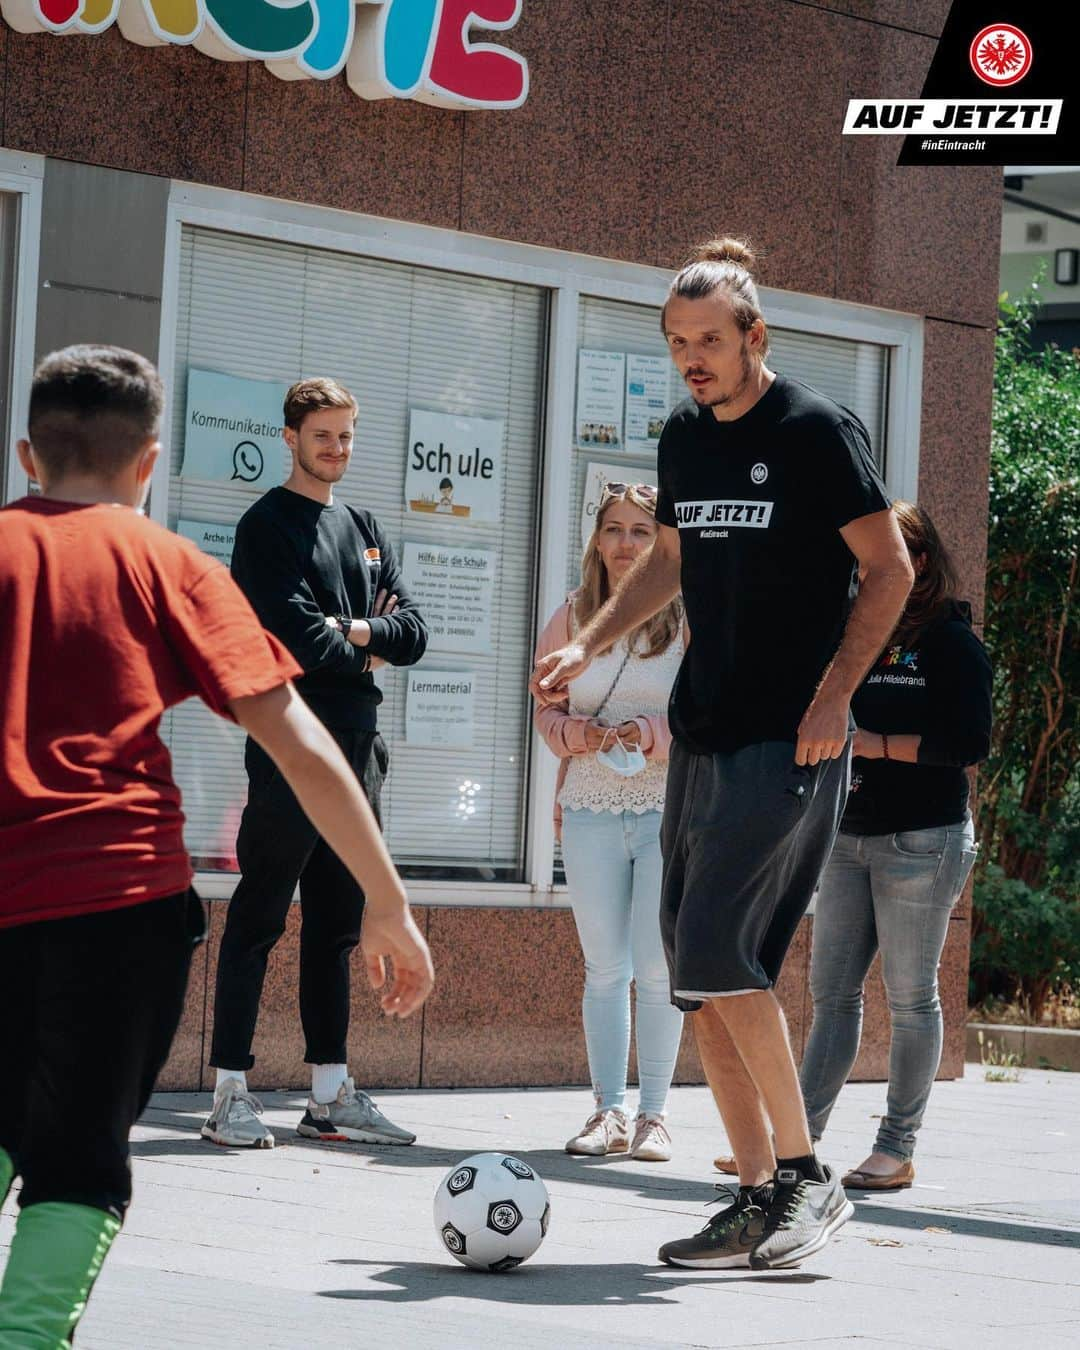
(802, 1217)
(728, 1238)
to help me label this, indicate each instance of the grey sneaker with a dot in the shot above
(606, 1131)
(728, 1238)
(234, 1119)
(353, 1116)
(802, 1217)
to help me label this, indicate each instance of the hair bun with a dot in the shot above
(736, 251)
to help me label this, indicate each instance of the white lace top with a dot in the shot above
(643, 687)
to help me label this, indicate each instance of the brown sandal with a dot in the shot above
(726, 1163)
(899, 1180)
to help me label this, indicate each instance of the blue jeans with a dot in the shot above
(613, 868)
(896, 892)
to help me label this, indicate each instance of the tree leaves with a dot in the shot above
(1029, 808)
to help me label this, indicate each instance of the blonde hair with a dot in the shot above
(656, 634)
(308, 396)
(726, 265)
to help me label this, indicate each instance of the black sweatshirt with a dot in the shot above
(297, 562)
(937, 688)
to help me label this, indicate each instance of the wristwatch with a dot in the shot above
(344, 622)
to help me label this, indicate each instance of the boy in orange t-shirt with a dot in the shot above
(107, 620)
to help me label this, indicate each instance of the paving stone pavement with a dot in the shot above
(316, 1245)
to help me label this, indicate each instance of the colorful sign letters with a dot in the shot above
(419, 49)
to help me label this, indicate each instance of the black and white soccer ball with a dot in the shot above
(491, 1211)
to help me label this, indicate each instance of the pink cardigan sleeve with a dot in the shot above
(563, 732)
(655, 735)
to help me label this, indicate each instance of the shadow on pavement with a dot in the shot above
(570, 1286)
(963, 1225)
(613, 1172)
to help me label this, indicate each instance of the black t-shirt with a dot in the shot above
(936, 687)
(298, 561)
(767, 579)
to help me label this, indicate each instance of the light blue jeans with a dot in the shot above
(613, 868)
(894, 892)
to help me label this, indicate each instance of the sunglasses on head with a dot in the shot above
(645, 490)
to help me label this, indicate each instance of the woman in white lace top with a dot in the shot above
(612, 738)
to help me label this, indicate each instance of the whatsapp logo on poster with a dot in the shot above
(233, 429)
(247, 462)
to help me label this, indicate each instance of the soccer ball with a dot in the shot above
(491, 1211)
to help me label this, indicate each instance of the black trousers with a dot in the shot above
(278, 847)
(88, 1010)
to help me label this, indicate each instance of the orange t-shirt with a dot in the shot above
(106, 620)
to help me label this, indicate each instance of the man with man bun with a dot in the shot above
(770, 511)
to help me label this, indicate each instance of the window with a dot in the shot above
(9, 220)
(20, 234)
(415, 318)
(401, 338)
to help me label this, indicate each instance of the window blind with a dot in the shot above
(9, 217)
(399, 337)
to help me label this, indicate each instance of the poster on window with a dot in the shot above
(454, 470)
(648, 389)
(233, 429)
(596, 475)
(217, 540)
(600, 393)
(454, 590)
(439, 708)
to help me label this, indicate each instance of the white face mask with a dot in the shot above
(622, 761)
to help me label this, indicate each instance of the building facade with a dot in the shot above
(475, 235)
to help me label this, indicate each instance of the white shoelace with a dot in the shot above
(233, 1095)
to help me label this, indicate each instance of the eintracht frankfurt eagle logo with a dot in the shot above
(1000, 54)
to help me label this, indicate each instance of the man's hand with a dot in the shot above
(359, 631)
(384, 604)
(823, 730)
(552, 673)
(394, 937)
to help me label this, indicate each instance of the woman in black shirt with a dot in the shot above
(905, 849)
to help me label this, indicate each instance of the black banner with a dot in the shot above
(997, 54)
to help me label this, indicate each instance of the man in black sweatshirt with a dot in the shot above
(321, 576)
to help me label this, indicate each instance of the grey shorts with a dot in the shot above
(745, 837)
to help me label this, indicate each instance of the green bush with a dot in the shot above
(1026, 929)
(1028, 937)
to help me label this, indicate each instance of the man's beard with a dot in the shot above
(324, 473)
(746, 370)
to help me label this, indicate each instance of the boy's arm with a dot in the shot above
(313, 766)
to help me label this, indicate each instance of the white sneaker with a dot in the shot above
(605, 1132)
(234, 1118)
(651, 1143)
(353, 1116)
